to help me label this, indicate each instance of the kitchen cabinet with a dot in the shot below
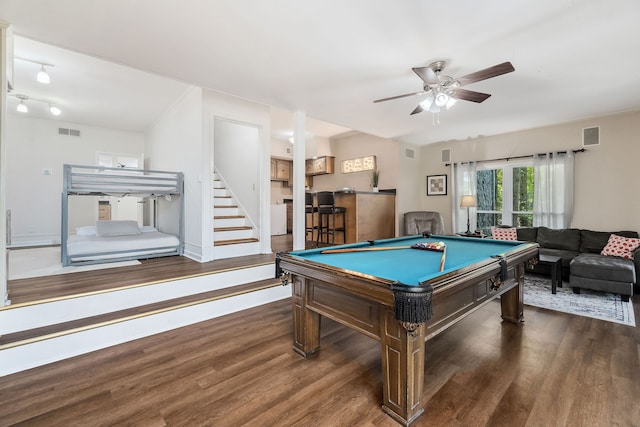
(280, 170)
(320, 165)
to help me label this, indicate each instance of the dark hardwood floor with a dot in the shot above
(149, 271)
(555, 370)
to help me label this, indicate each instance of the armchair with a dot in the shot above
(417, 222)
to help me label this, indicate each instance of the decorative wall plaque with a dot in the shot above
(360, 164)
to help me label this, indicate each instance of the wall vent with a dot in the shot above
(446, 155)
(71, 132)
(409, 153)
(591, 136)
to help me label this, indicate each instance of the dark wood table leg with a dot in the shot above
(556, 274)
(403, 354)
(306, 323)
(512, 301)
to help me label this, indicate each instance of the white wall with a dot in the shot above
(605, 176)
(33, 145)
(236, 153)
(175, 143)
(216, 104)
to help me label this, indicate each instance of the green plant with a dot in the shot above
(375, 177)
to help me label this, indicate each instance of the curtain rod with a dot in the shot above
(581, 150)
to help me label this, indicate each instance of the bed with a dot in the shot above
(119, 240)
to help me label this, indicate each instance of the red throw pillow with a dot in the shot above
(620, 246)
(504, 233)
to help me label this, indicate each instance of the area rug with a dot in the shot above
(598, 305)
(45, 261)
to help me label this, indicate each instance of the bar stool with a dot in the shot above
(309, 209)
(327, 210)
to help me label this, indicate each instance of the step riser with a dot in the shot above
(231, 222)
(34, 316)
(220, 192)
(225, 211)
(223, 201)
(231, 251)
(28, 356)
(232, 235)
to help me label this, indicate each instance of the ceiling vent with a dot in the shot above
(591, 136)
(70, 132)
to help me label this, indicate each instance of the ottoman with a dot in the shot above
(603, 273)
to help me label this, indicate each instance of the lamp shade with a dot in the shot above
(468, 201)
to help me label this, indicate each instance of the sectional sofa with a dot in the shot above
(583, 265)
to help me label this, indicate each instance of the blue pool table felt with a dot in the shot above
(410, 266)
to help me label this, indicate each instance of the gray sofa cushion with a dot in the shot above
(594, 241)
(527, 234)
(600, 267)
(567, 239)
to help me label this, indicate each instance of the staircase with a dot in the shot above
(233, 233)
(42, 332)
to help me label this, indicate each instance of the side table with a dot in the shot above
(555, 264)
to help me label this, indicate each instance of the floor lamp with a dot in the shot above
(468, 201)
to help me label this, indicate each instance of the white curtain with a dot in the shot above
(463, 182)
(553, 189)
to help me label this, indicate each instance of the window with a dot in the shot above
(505, 195)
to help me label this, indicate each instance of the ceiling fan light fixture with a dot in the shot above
(452, 101)
(43, 76)
(427, 103)
(442, 99)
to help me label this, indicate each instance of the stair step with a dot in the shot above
(234, 242)
(225, 206)
(239, 228)
(48, 331)
(228, 216)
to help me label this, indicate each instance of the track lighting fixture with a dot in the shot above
(23, 108)
(42, 76)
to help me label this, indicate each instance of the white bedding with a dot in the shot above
(82, 248)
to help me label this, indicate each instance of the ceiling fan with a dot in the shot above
(444, 91)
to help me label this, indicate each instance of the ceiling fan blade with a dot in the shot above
(487, 73)
(426, 74)
(398, 96)
(417, 110)
(469, 95)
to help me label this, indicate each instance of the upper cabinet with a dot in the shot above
(280, 170)
(320, 165)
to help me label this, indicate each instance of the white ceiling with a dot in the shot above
(331, 58)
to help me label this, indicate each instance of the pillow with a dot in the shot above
(620, 246)
(116, 228)
(504, 233)
(89, 230)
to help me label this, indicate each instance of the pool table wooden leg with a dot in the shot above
(402, 369)
(306, 323)
(512, 301)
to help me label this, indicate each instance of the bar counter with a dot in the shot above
(369, 216)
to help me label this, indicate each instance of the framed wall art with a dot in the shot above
(436, 185)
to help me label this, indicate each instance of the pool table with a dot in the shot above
(368, 287)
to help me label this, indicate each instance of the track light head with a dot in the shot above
(43, 76)
(55, 110)
(22, 107)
